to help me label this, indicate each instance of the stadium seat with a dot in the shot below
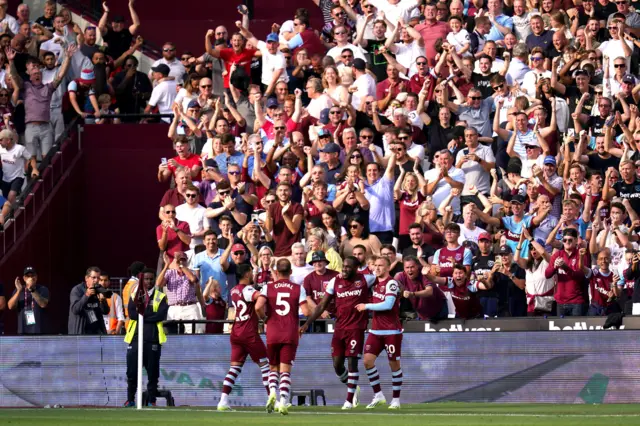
(164, 393)
(313, 395)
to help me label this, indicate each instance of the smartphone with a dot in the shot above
(609, 120)
(571, 133)
(163, 161)
(254, 218)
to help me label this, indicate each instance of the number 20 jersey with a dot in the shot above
(283, 301)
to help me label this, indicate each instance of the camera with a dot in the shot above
(101, 290)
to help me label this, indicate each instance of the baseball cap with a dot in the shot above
(162, 69)
(549, 159)
(323, 132)
(29, 270)
(210, 163)
(237, 247)
(629, 79)
(193, 104)
(324, 116)
(359, 64)
(331, 148)
(318, 256)
(118, 18)
(484, 236)
(518, 199)
(272, 103)
(272, 37)
(532, 143)
(505, 250)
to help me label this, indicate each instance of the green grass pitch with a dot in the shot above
(439, 414)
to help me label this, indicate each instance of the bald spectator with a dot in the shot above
(173, 235)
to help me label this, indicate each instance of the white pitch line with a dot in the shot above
(369, 413)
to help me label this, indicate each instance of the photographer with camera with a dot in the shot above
(88, 304)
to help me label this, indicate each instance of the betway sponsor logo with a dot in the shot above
(577, 326)
(458, 327)
(350, 293)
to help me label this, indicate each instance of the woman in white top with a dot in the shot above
(188, 92)
(333, 87)
(538, 288)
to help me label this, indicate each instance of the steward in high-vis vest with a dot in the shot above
(153, 303)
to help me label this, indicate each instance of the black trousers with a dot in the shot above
(151, 361)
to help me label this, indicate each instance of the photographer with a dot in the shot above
(87, 305)
(153, 303)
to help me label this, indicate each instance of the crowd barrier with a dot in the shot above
(515, 367)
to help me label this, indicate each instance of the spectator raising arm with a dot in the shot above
(135, 26)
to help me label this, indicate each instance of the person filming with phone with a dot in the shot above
(30, 299)
(88, 304)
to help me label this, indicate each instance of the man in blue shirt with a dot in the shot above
(500, 24)
(207, 264)
(230, 155)
(539, 37)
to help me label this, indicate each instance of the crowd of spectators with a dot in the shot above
(489, 149)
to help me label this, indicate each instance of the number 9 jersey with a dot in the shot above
(283, 301)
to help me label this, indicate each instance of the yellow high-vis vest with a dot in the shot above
(131, 327)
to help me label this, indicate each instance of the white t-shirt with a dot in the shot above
(530, 81)
(12, 23)
(51, 46)
(366, 86)
(407, 54)
(183, 98)
(613, 49)
(298, 273)
(196, 219)
(336, 52)
(316, 106)
(467, 234)
(271, 63)
(13, 162)
(459, 40)
(443, 189)
(163, 96)
(176, 68)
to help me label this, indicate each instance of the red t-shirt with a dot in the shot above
(189, 162)
(174, 244)
(408, 211)
(382, 89)
(282, 236)
(241, 59)
(283, 301)
(430, 33)
(216, 310)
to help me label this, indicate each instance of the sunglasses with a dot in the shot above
(279, 127)
(403, 138)
(421, 63)
(190, 195)
(186, 58)
(238, 253)
(619, 65)
(206, 86)
(269, 201)
(621, 2)
(475, 98)
(169, 211)
(223, 193)
(498, 87)
(568, 240)
(354, 226)
(530, 147)
(220, 33)
(334, 112)
(598, 92)
(347, 56)
(366, 136)
(169, 50)
(234, 173)
(613, 28)
(537, 58)
(339, 32)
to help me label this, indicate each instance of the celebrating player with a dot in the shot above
(385, 333)
(245, 339)
(282, 299)
(348, 289)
